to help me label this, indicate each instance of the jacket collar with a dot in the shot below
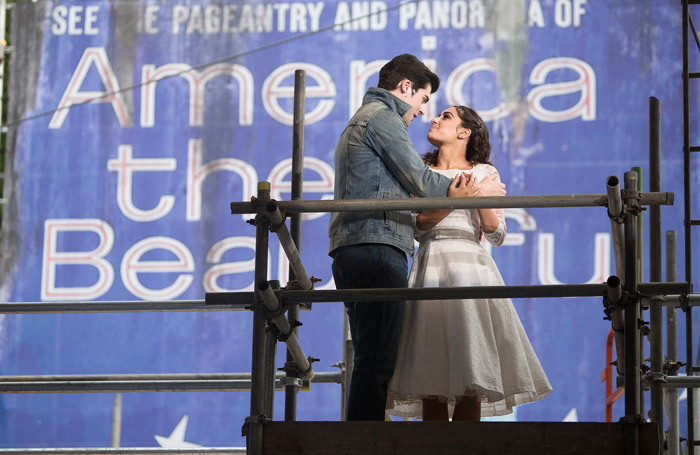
(393, 102)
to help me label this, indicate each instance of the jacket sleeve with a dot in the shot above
(388, 136)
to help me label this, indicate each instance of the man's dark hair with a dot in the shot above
(407, 66)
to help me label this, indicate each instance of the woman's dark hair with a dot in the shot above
(407, 66)
(478, 145)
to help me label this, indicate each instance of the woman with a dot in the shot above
(468, 357)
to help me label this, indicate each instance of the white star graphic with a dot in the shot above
(572, 416)
(177, 437)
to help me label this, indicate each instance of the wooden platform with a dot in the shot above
(443, 438)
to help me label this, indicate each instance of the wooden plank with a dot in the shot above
(449, 438)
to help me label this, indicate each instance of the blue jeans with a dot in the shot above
(374, 326)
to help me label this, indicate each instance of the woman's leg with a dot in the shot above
(434, 410)
(469, 409)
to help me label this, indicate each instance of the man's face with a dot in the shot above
(417, 100)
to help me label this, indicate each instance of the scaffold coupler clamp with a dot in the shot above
(619, 218)
(256, 419)
(283, 337)
(292, 371)
(613, 313)
(291, 381)
(609, 307)
(671, 367)
(684, 302)
(633, 207)
(294, 285)
(309, 373)
(274, 227)
(614, 302)
(644, 327)
(630, 298)
(340, 365)
(656, 378)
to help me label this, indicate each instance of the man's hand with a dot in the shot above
(491, 186)
(458, 187)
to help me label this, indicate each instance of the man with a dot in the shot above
(375, 159)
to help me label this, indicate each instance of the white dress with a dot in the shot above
(454, 348)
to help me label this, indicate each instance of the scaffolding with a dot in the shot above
(623, 210)
(625, 297)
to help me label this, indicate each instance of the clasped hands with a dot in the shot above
(465, 185)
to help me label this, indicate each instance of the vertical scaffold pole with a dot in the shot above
(655, 302)
(632, 313)
(640, 278)
(290, 394)
(258, 380)
(3, 45)
(348, 365)
(271, 333)
(685, 22)
(640, 235)
(3, 115)
(671, 393)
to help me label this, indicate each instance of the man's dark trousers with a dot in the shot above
(375, 326)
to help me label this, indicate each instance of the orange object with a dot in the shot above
(606, 376)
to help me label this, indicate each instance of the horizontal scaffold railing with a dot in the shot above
(673, 293)
(183, 382)
(471, 292)
(433, 203)
(117, 306)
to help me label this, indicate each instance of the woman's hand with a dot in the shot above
(472, 187)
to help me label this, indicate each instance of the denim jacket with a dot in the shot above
(375, 159)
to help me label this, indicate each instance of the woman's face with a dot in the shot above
(447, 128)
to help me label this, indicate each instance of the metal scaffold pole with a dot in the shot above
(617, 318)
(655, 319)
(671, 395)
(254, 423)
(290, 394)
(632, 312)
(686, 22)
(616, 219)
(452, 203)
(3, 45)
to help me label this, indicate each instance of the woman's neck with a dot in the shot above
(452, 158)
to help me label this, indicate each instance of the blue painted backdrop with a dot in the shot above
(133, 124)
